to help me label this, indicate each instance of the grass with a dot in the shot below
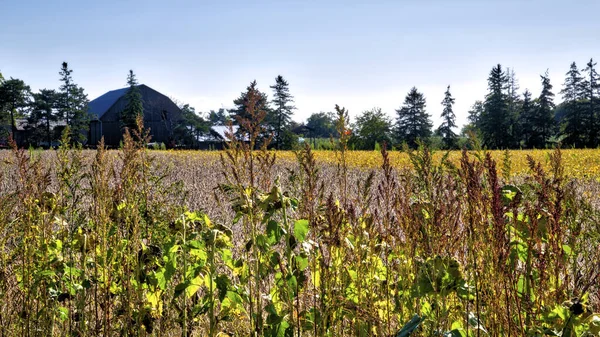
(309, 243)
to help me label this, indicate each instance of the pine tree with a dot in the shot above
(242, 110)
(545, 125)
(15, 97)
(591, 94)
(251, 107)
(495, 120)
(448, 121)
(218, 117)
(527, 119)
(413, 123)
(43, 114)
(282, 99)
(573, 121)
(134, 107)
(72, 105)
(513, 103)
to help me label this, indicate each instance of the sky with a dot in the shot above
(358, 54)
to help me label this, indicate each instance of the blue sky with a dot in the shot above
(359, 54)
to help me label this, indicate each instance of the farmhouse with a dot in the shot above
(160, 116)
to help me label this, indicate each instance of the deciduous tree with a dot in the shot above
(371, 126)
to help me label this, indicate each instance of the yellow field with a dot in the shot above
(577, 163)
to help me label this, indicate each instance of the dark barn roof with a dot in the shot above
(100, 105)
(161, 116)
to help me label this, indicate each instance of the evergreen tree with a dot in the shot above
(495, 120)
(574, 120)
(282, 100)
(527, 119)
(473, 118)
(218, 117)
(43, 114)
(545, 125)
(252, 110)
(242, 103)
(513, 103)
(134, 107)
(72, 105)
(190, 127)
(591, 94)
(448, 121)
(15, 97)
(413, 123)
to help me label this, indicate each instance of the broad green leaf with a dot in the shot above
(509, 193)
(301, 230)
(63, 313)
(274, 232)
(301, 262)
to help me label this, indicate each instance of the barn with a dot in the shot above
(160, 115)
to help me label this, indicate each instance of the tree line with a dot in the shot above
(43, 109)
(503, 119)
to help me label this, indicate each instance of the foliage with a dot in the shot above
(321, 125)
(358, 255)
(15, 98)
(495, 121)
(190, 128)
(448, 121)
(42, 117)
(282, 113)
(574, 122)
(134, 106)
(413, 124)
(218, 117)
(591, 93)
(370, 128)
(72, 105)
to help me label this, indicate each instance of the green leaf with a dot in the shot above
(300, 230)
(567, 249)
(274, 232)
(223, 283)
(63, 313)
(456, 333)
(180, 288)
(509, 193)
(301, 262)
(194, 286)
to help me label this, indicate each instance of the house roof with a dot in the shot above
(222, 130)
